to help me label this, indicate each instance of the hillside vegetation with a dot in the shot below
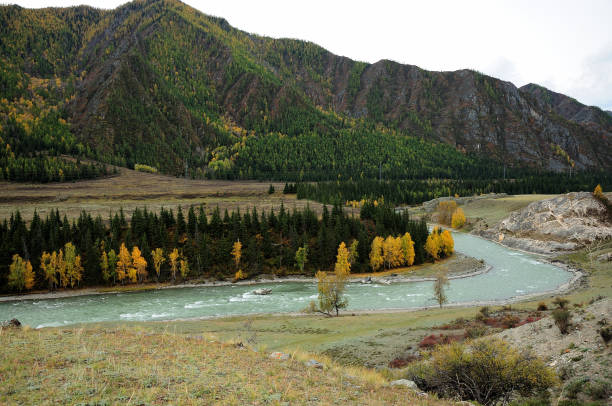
(158, 83)
(96, 366)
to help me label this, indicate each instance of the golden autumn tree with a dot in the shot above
(407, 246)
(20, 275)
(392, 252)
(124, 263)
(139, 264)
(353, 252)
(184, 268)
(458, 218)
(74, 269)
(598, 192)
(343, 264)
(104, 265)
(158, 260)
(331, 286)
(48, 264)
(174, 255)
(237, 254)
(445, 211)
(433, 244)
(448, 244)
(376, 254)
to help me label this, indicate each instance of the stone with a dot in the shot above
(11, 323)
(280, 356)
(563, 223)
(313, 364)
(404, 382)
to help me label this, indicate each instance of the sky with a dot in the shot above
(563, 45)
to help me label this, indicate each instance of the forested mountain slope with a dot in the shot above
(159, 83)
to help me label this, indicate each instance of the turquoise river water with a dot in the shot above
(513, 274)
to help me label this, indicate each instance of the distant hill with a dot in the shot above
(157, 82)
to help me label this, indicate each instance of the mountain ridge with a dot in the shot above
(161, 83)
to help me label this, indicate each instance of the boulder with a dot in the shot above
(313, 364)
(406, 383)
(563, 223)
(10, 323)
(280, 356)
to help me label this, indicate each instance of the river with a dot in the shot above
(513, 274)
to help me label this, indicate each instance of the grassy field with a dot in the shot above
(493, 210)
(132, 366)
(131, 189)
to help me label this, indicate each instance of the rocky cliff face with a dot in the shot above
(158, 73)
(562, 223)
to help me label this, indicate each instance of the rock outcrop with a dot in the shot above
(562, 223)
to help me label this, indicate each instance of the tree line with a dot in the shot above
(416, 191)
(54, 252)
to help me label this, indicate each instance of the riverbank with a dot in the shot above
(462, 266)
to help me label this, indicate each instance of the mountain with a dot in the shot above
(159, 83)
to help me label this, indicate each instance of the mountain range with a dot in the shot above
(159, 83)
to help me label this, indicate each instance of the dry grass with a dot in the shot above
(494, 210)
(131, 189)
(128, 366)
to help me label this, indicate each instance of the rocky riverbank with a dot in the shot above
(552, 226)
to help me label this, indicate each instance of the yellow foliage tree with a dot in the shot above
(184, 268)
(173, 262)
(20, 275)
(433, 244)
(598, 192)
(445, 211)
(342, 260)
(104, 265)
(458, 219)
(237, 253)
(48, 264)
(392, 252)
(376, 254)
(139, 264)
(240, 275)
(407, 246)
(158, 260)
(448, 244)
(74, 269)
(124, 263)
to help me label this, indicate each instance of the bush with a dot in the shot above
(484, 310)
(573, 388)
(560, 302)
(606, 334)
(145, 168)
(598, 389)
(542, 306)
(485, 370)
(562, 319)
(475, 332)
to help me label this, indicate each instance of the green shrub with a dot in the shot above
(475, 332)
(145, 168)
(484, 310)
(562, 319)
(606, 333)
(573, 388)
(542, 306)
(485, 370)
(560, 302)
(598, 389)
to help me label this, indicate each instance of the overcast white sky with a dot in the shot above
(563, 45)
